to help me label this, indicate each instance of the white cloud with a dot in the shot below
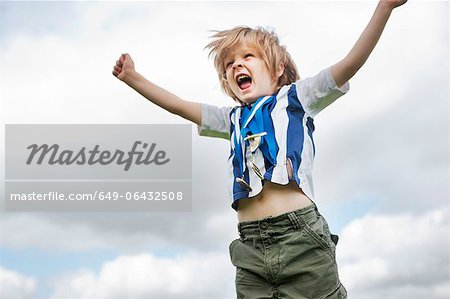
(14, 285)
(125, 232)
(28, 231)
(194, 275)
(398, 158)
(396, 256)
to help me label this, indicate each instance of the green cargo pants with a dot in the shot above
(287, 256)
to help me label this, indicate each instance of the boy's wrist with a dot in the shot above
(385, 5)
(130, 76)
(389, 5)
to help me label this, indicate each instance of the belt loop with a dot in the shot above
(296, 222)
(239, 229)
(315, 206)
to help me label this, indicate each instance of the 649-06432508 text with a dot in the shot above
(99, 195)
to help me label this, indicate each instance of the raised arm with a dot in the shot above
(125, 71)
(347, 67)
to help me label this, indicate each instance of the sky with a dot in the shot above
(381, 171)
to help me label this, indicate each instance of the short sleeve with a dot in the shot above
(318, 92)
(215, 122)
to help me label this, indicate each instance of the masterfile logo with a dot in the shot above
(53, 155)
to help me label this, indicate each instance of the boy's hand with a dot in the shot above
(393, 3)
(124, 66)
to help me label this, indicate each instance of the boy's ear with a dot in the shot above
(280, 70)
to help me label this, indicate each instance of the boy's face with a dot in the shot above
(247, 74)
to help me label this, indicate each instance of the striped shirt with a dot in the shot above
(287, 150)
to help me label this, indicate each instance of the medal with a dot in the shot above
(256, 170)
(254, 140)
(243, 183)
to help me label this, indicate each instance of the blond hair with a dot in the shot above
(262, 40)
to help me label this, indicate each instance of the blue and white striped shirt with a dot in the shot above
(287, 150)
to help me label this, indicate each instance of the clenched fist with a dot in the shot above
(124, 66)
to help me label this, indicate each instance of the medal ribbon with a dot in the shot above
(255, 120)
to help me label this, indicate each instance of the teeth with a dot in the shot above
(241, 77)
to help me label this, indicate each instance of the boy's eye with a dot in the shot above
(249, 55)
(228, 64)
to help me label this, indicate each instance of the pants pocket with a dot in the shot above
(231, 247)
(308, 264)
(317, 228)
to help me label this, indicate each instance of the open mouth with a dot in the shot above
(244, 81)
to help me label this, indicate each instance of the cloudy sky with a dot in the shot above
(381, 170)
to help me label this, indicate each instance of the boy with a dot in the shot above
(285, 249)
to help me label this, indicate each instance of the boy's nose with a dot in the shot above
(237, 63)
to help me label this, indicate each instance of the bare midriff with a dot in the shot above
(273, 200)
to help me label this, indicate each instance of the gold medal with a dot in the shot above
(243, 183)
(254, 140)
(256, 170)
